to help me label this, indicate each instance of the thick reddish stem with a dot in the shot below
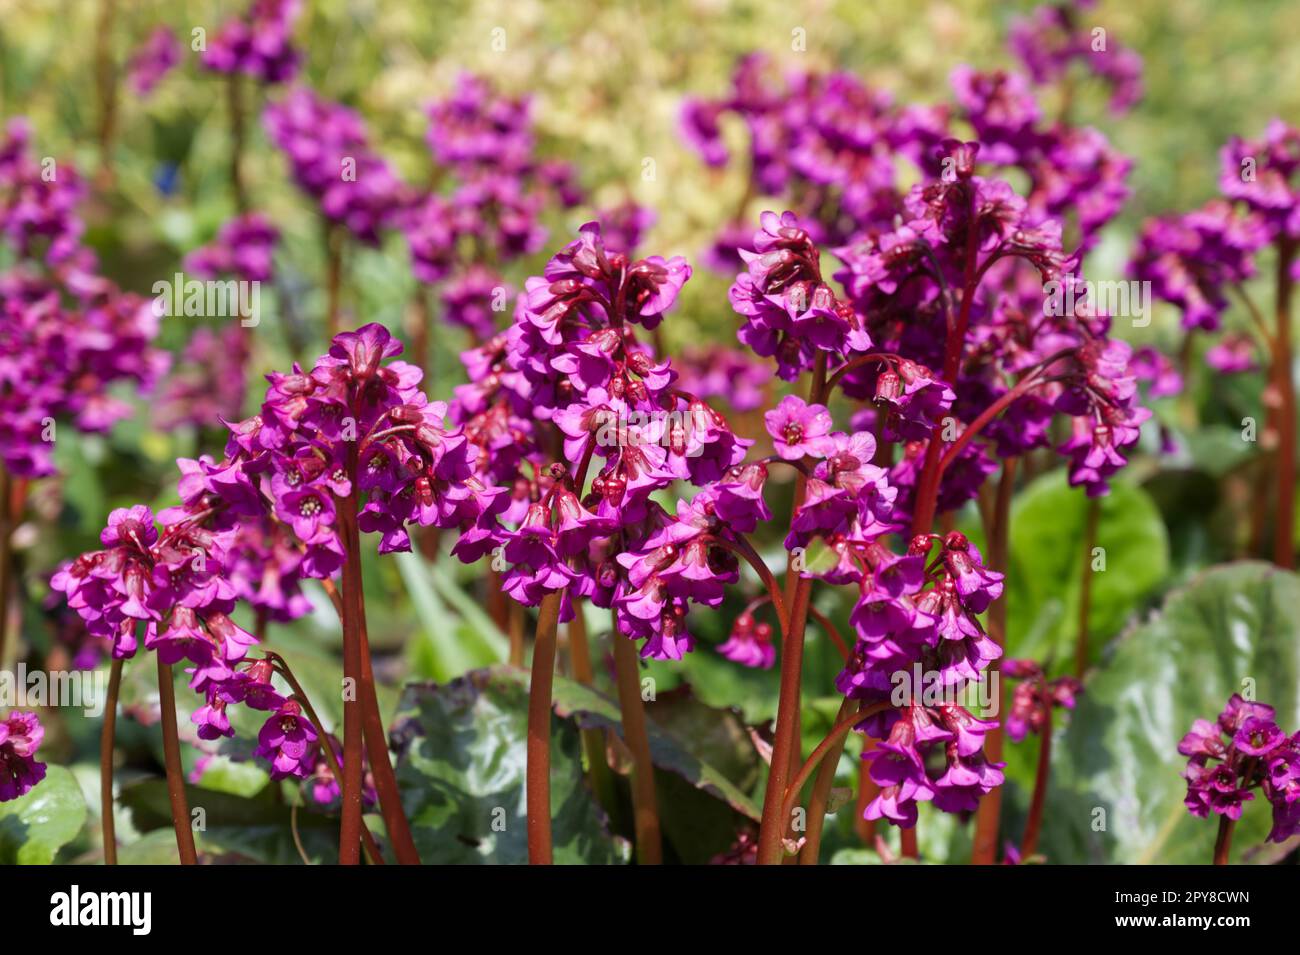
(785, 747)
(381, 765)
(1035, 822)
(175, 771)
(1223, 843)
(350, 822)
(107, 741)
(649, 848)
(538, 771)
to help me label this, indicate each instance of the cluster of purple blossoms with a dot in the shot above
(1050, 40)
(67, 334)
(258, 44)
(571, 380)
(1199, 260)
(243, 248)
(154, 59)
(943, 253)
(331, 160)
(252, 526)
(914, 612)
(1035, 697)
(1194, 260)
(489, 214)
(20, 737)
(833, 146)
(790, 312)
(1245, 750)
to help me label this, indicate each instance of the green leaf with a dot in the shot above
(461, 768)
(34, 827)
(1046, 563)
(681, 754)
(257, 828)
(1233, 624)
(447, 646)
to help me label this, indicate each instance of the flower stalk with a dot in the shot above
(649, 848)
(107, 741)
(175, 771)
(538, 772)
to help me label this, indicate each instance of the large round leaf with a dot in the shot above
(461, 764)
(1235, 629)
(34, 827)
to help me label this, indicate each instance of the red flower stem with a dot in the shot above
(817, 801)
(649, 848)
(381, 765)
(281, 665)
(987, 818)
(1284, 522)
(831, 631)
(867, 791)
(742, 548)
(107, 740)
(1031, 380)
(1085, 586)
(496, 601)
(927, 485)
(785, 746)
(774, 819)
(516, 625)
(1223, 843)
(538, 771)
(834, 737)
(350, 821)
(1029, 844)
(175, 772)
(853, 365)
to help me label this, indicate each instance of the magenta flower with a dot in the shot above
(20, 737)
(750, 643)
(799, 429)
(1245, 751)
(288, 741)
(154, 59)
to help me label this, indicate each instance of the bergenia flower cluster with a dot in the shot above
(1244, 751)
(570, 389)
(1054, 37)
(257, 43)
(1200, 260)
(67, 334)
(332, 161)
(1035, 697)
(155, 58)
(252, 526)
(485, 212)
